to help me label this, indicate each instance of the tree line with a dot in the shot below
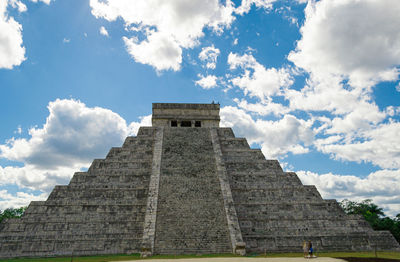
(12, 213)
(374, 215)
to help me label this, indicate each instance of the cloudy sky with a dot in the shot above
(314, 84)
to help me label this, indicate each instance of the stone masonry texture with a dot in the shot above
(185, 190)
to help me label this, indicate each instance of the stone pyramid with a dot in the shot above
(185, 186)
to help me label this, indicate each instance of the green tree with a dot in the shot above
(363, 207)
(12, 213)
(374, 215)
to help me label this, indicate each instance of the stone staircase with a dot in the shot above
(190, 215)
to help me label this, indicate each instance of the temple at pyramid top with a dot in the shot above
(185, 115)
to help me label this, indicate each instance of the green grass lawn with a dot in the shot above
(392, 255)
(78, 259)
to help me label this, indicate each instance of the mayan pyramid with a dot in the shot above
(185, 186)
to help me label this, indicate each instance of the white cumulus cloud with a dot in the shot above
(262, 109)
(167, 26)
(134, 126)
(209, 55)
(379, 146)
(352, 39)
(12, 51)
(348, 123)
(246, 5)
(207, 82)
(103, 31)
(44, 1)
(18, 4)
(162, 29)
(256, 80)
(276, 138)
(43, 179)
(71, 138)
(72, 134)
(8, 200)
(398, 87)
(158, 51)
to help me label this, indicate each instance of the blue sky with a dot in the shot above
(314, 84)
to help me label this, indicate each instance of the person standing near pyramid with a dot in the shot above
(305, 248)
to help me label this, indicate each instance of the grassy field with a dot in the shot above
(78, 259)
(110, 258)
(392, 255)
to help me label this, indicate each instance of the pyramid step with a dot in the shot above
(225, 132)
(265, 185)
(99, 208)
(118, 172)
(264, 181)
(272, 166)
(285, 207)
(137, 156)
(99, 193)
(118, 151)
(233, 144)
(276, 194)
(300, 224)
(335, 241)
(261, 174)
(85, 202)
(250, 154)
(104, 165)
(74, 218)
(146, 132)
(104, 184)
